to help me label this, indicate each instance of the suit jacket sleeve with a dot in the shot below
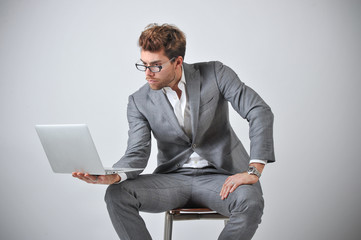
(139, 141)
(250, 106)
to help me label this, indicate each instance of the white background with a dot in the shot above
(73, 62)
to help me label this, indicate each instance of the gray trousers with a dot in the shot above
(157, 193)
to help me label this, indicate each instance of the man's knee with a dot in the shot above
(116, 194)
(248, 202)
(109, 194)
(254, 205)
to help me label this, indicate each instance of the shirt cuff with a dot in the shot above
(258, 161)
(122, 176)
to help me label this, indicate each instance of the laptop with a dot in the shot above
(70, 148)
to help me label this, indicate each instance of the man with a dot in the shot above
(201, 161)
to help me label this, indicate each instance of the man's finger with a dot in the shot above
(234, 187)
(225, 194)
(224, 188)
(225, 191)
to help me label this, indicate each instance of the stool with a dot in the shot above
(188, 214)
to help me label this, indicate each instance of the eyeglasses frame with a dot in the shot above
(160, 67)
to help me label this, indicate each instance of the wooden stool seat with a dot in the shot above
(188, 214)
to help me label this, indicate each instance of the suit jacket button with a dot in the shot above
(194, 146)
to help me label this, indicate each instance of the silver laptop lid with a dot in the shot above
(70, 148)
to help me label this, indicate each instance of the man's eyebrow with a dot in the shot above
(151, 63)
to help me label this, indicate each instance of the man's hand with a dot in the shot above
(234, 181)
(97, 179)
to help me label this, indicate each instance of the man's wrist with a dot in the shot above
(122, 177)
(259, 166)
(252, 170)
(118, 179)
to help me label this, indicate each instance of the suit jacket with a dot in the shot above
(210, 86)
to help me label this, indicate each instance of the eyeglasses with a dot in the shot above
(153, 69)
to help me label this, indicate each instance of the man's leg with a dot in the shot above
(148, 193)
(244, 206)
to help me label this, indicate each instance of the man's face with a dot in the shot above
(166, 77)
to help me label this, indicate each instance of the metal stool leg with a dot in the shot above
(168, 226)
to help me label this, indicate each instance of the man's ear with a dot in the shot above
(179, 61)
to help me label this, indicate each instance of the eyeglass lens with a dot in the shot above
(151, 68)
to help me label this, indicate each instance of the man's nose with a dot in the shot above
(148, 72)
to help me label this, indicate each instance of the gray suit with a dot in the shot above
(209, 86)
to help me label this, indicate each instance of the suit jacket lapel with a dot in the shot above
(193, 91)
(161, 101)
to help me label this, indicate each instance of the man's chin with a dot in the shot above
(154, 87)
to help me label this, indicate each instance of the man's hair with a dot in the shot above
(165, 37)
